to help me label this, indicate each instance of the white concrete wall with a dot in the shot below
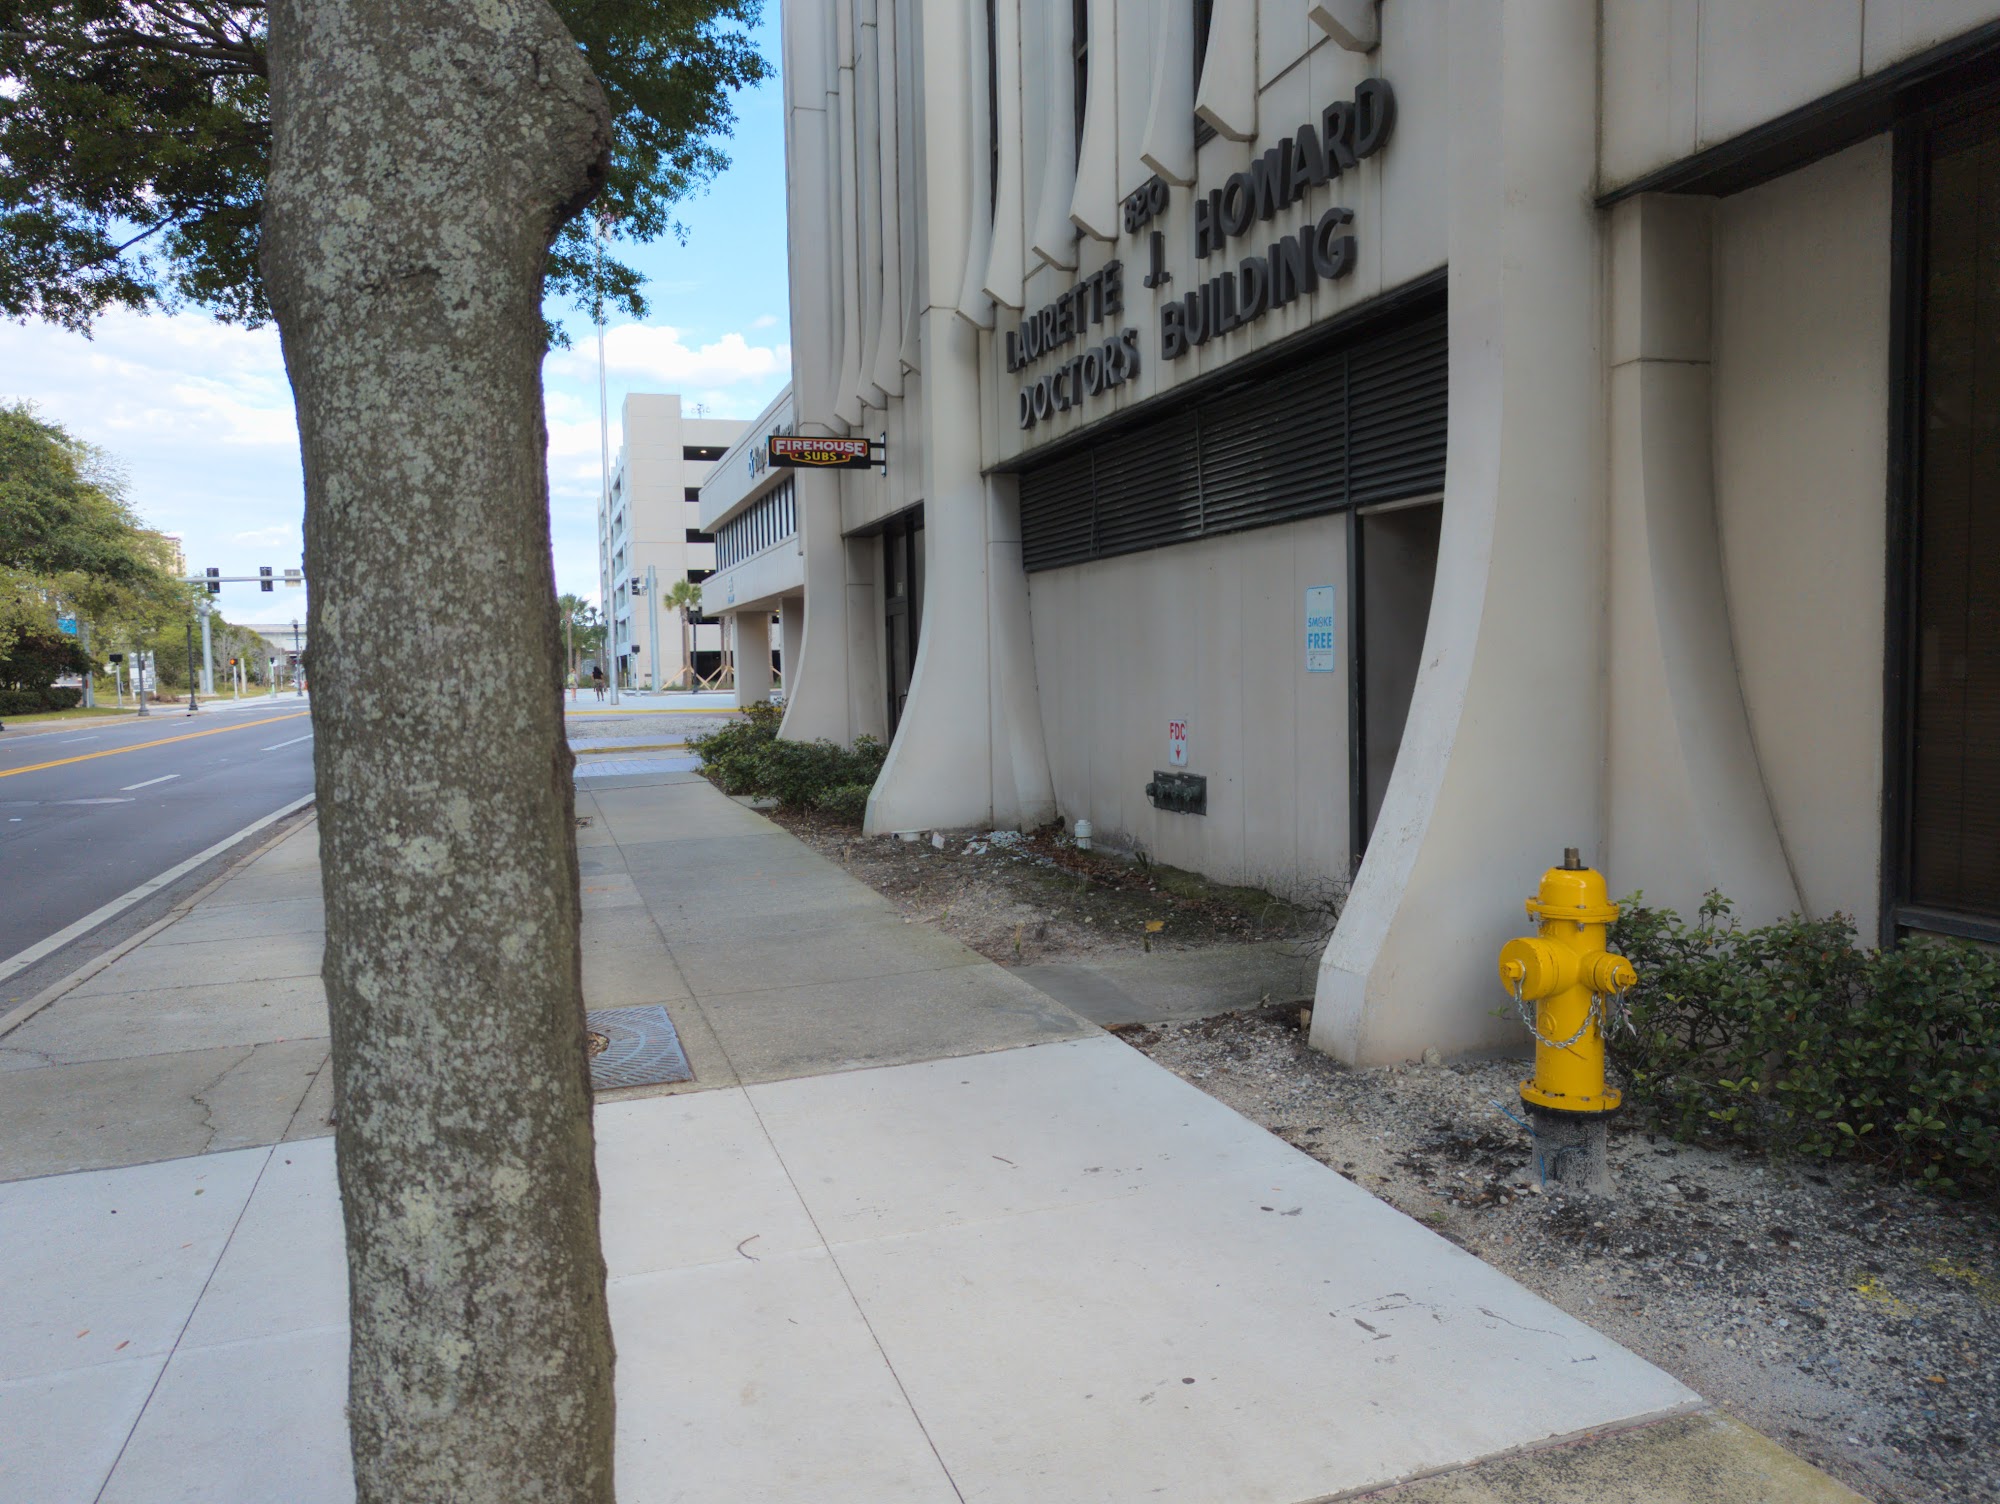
(1213, 632)
(1687, 806)
(734, 481)
(658, 514)
(1680, 76)
(1801, 444)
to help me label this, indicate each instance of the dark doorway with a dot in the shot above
(902, 603)
(1945, 855)
(1393, 566)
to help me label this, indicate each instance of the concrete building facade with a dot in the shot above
(1390, 442)
(757, 591)
(652, 517)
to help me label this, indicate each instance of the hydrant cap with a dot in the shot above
(1575, 894)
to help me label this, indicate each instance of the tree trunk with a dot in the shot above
(422, 158)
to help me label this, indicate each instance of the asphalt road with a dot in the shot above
(91, 811)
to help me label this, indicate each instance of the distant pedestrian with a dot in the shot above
(571, 683)
(597, 680)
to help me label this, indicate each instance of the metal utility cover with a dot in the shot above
(634, 1047)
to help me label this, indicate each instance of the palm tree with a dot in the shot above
(582, 627)
(685, 598)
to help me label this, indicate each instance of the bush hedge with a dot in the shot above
(38, 701)
(747, 757)
(1792, 1037)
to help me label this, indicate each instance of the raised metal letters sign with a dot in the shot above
(791, 450)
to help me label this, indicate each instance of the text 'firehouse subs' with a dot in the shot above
(823, 454)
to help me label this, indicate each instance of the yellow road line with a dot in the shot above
(269, 720)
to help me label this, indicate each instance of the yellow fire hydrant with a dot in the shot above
(1568, 976)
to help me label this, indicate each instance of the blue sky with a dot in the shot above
(199, 415)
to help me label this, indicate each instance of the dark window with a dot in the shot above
(696, 576)
(902, 603)
(703, 451)
(992, 106)
(1950, 586)
(696, 535)
(1204, 19)
(1079, 46)
(1358, 424)
(692, 493)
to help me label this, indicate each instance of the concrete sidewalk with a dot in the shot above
(916, 1231)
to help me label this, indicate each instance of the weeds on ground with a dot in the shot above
(1794, 1038)
(747, 757)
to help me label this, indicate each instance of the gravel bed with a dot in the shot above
(1018, 898)
(1855, 1322)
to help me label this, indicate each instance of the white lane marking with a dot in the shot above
(292, 743)
(163, 778)
(72, 740)
(24, 959)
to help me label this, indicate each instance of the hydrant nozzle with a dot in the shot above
(1566, 974)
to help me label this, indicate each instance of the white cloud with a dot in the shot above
(199, 416)
(267, 537)
(765, 321)
(659, 356)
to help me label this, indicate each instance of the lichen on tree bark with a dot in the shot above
(423, 157)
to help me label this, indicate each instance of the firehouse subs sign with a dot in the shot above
(1291, 265)
(791, 450)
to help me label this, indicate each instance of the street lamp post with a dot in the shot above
(139, 679)
(192, 706)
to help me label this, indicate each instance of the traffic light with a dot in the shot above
(232, 663)
(214, 584)
(117, 657)
(264, 577)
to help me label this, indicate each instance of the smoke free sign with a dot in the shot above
(1319, 629)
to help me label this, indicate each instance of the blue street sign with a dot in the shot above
(66, 625)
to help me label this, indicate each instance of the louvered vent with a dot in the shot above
(1361, 423)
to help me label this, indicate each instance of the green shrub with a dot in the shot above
(847, 803)
(1791, 1037)
(729, 754)
(747, 757)
(38, 701)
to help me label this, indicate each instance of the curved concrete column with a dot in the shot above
(1006, 264)
(844, 159)
(885, 369)
(1093, 202)
(1500, 764)
(817, 681)
(1227, 97)
(975, 304)
(1687, 808)
(814, 281)
(1167, 143)
(1054, 240)
(969, 750)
